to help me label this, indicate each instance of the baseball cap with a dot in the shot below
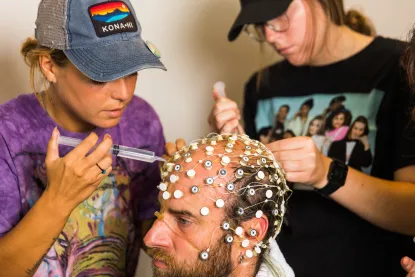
(101, 38)
(257, 11)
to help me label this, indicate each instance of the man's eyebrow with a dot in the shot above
(180, 212)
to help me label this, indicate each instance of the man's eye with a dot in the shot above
(183, 222)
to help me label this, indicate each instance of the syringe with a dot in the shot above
(118, 150)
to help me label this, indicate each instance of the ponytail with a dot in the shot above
(356, 21)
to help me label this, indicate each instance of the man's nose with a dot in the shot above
(159, 235)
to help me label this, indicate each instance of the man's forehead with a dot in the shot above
(184, 200)
(182, 210)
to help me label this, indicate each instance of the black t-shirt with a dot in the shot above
(321, 237)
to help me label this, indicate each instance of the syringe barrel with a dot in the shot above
(69, 141)
(133, 153)
(116, 150)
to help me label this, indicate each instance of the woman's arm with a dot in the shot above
(24, 247)
(71, 180)
(387, 204)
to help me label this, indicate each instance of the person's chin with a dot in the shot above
(296, 60)
(160, 272)
(108, 123)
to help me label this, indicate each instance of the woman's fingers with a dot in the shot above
(230, 127)
(170, 148)
(103, 165)
(289, 144)
(290, 155)
(222, 112)
(301, 160)
(83, 148)
(228, 118)
(102, 176)
(224, 104)
(180, 143)
(52, 153)
(100, 152)
(298, 166)
(408, 264)
(240, 129)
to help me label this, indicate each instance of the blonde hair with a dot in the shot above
(359, 23)
(31, 51)
(354, 19)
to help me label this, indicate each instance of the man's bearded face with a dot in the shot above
(218, 265)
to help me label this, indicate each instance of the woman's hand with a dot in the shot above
(172, 148)
(409, 265)
(73, 178)
(301, 160)
(225, 116)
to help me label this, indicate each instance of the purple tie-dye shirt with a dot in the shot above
(102, 235)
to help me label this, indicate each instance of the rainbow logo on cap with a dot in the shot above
(109, 12)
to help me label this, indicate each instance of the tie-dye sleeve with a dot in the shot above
(10, 204)
(145, 190)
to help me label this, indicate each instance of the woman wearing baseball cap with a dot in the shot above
(338, 216)
(78, 211)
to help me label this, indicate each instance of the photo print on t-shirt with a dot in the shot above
(343, 126)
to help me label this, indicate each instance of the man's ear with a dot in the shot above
(48, 68)
(256, 229)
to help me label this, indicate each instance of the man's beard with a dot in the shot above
(219, 263)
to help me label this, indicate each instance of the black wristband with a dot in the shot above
(336, 178)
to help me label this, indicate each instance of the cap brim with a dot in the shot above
(114, 61)
(256, 12)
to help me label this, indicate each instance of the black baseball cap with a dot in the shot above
(256, 11)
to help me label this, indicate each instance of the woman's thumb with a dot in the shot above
(53, 149)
